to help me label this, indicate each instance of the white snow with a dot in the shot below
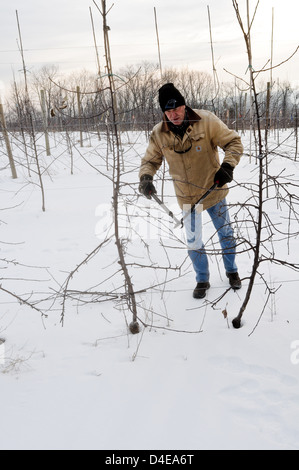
(188, 381)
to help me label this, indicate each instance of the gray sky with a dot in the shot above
(59, 32)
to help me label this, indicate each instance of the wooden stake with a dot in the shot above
(45, 119)
(7, 142)
(267, 127)
(251, 78)
(95, 43)
(271, 62)
(158, 42)
(213, 60)
(80, 115)
(22, 55)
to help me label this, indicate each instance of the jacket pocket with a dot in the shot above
(197, 136)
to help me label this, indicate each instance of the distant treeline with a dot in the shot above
(81, 101)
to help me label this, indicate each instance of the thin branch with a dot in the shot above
(278, 65)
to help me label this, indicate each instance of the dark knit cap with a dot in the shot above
(170, 97)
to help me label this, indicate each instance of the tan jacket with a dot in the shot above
(193, 172)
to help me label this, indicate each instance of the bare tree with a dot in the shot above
(262, 223)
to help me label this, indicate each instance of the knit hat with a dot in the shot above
(170, 97)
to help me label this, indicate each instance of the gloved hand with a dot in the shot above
(224, 175)
(146, 186)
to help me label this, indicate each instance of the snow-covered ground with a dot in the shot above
(189, 380)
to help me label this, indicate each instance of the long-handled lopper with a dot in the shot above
(200, 201)
(193, 208)
(154, 196)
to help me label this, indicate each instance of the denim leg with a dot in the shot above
(196, 250)
(200, 264)
(220, 217)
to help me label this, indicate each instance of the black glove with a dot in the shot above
(146, 186)
(224, 175)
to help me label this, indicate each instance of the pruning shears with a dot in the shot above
(192, 209)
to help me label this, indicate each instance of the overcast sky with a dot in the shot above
(59, 32)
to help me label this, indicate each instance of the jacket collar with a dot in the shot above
(192, 116)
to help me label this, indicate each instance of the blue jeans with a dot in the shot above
(193, 224)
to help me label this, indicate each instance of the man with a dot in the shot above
(188, 140)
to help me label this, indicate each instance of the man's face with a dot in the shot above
(176, 115)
